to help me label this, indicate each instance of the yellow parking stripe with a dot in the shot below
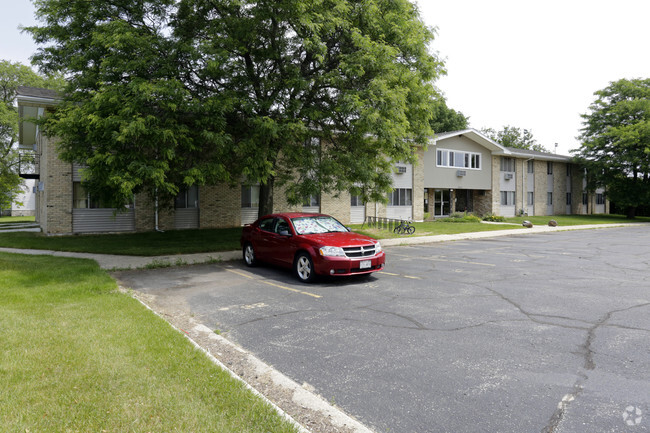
(279, 286)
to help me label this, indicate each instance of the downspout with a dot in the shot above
(524, 186)
(156, 214)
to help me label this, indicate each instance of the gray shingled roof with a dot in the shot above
(37, 92)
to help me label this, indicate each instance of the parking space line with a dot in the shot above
(279, 286)
(398, 275)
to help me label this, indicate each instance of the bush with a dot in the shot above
(493, 218)
(460, 217)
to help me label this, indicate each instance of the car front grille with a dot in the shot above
(361, 251)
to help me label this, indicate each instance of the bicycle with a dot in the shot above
(404, 227)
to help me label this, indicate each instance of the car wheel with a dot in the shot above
(249, 255)
(303, 266)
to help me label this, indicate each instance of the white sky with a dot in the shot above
(533, 65)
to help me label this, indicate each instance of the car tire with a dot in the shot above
(248, 253)
(303, 267)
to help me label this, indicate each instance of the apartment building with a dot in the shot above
(459, 171)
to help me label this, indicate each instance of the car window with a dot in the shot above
(312, 225)
(282, 227)
(267, 224)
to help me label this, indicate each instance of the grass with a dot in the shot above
(16, 219)
(214, 240)
(431, 228)
(446, 227)
(574, 220)
(134, 244)
(77, 355)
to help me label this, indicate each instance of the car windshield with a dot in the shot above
(317, 224)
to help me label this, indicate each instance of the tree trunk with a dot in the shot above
(266, 197)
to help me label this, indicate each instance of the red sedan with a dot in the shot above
(310, 244)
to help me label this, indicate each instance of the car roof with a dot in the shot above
(291, 215)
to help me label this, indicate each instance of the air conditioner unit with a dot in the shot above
(461, 173)
(509, 176)
(401, 169)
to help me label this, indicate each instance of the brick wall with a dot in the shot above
(220, 206)
(56, 197)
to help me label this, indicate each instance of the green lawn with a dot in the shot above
(15, 219)
(134, 244)
(574, 220)
(215, 240)
(77, 355)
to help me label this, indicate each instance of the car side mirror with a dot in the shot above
(285, 233)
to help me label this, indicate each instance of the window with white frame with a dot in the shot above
(549, 167)
(250, 196)
(531, 198)
(312, 201)
(355, 200)
(82, 199)
(549, 198)
(507, 164)
(531, 166)
(401, 197)
(585, 198)
(187, 198)
(458, 159)
(600, 198)
(507, 198)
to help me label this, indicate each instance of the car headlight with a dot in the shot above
(332, 252)
(377, 248)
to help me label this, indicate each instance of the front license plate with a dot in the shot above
(365, 264)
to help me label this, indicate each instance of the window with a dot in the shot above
(585, 199)
(549, 167)
(267, 224)
(250, 196)
(400, 197)
(568, 198)
(355, 200)
(507, 164)
(312, 201)
(82, 198)
(187, 198)
(531, 198)
(549, 198)
(568, 170)
(531, 166)
(507, 198)
(600, 198)
(458, 159)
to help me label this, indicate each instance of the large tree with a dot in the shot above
(13, 75)
(511, 136)
(445, 119)
(615, 145)
(165, 94)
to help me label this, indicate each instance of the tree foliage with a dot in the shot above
(13, 75)
(511, 136)
(615, 145)
(445, 119)
(170, 93)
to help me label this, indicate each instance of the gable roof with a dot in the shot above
(498, 149)
(473, 135)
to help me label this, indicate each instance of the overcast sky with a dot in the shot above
(533, 65)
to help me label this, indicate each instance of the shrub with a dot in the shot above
(493, 218)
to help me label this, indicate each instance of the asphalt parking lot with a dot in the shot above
(532, 333)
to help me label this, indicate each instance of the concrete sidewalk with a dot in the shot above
(118, 262)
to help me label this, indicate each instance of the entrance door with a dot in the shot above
(441, 205)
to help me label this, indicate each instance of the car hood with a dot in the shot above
(341, 239)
